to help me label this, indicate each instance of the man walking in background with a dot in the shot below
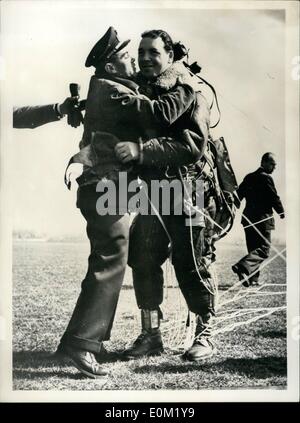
(261, 197)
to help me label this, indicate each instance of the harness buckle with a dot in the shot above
(176, 175)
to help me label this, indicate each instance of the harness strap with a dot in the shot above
(160, 219)
(215, 97)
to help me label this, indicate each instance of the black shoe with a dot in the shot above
(85, 362)
(201, 349)
(241, 275)
(104, 356)
(146, 344)
(61, 353)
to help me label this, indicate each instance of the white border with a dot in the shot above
(292, 177)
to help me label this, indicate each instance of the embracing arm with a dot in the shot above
(159, 152)
(164, 111)
(163, 152)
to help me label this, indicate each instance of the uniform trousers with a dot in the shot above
(93, 316)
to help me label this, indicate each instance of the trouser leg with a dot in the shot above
(193, 252)
(152, 245)
(192, 267)
(93, 315)
(252, 242)
(258, 250)
(148, 249)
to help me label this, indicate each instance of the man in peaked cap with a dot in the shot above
(105, 49)
(93, 316)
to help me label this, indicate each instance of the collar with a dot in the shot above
(129, 83)
(124, 81)
(176, 73)
(262, 170)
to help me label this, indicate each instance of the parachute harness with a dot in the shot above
(180, 331)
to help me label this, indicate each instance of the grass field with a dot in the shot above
(47, 280)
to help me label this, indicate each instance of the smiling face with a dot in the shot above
(153, 58)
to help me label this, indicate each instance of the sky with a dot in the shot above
(45, 45)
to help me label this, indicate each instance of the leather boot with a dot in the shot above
(149, 342)
(202, 347)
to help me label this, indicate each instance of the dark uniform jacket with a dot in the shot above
(261, 198)
(32, 117)
(115, 113)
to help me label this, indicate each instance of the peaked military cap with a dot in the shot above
(107, 46)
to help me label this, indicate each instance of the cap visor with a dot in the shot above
(121, 46)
